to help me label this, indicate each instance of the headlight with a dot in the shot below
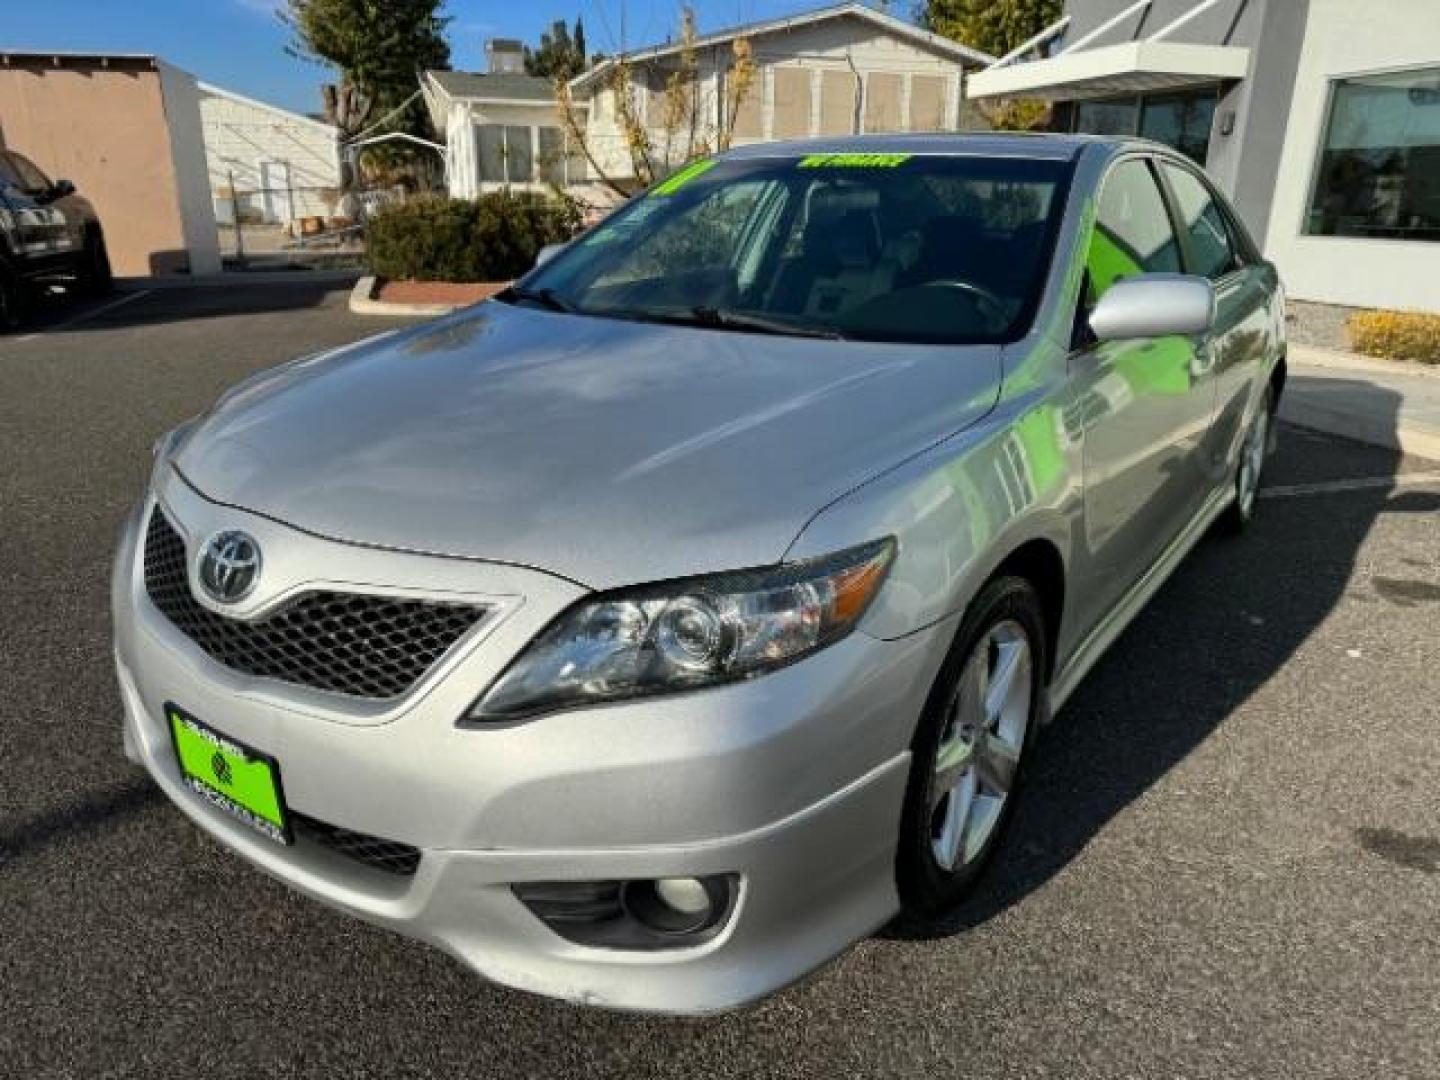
(688, 634)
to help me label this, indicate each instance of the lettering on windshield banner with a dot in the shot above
(853, 161)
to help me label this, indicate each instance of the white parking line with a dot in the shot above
(76, 320)
(1363, 483)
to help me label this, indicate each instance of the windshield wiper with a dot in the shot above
(739, 320)
(546, 298)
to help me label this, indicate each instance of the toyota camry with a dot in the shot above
(651, 632)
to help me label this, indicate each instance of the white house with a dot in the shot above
(836, 70)
(282, 165)
(502, 130)
(840, 70)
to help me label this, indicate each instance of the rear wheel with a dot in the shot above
(969, 750)
(1247, 472)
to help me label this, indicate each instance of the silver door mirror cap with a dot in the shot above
(548, 252)
(1154, 305)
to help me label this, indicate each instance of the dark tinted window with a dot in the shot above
(1182, 121)
(1211, 253)
(1379, 172)
(32, 180)
(887, 247)
(1132, 229)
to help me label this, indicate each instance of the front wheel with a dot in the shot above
(14, 300)
(970, 748)
(95, 277)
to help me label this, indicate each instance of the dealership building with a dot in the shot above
(1320, 118)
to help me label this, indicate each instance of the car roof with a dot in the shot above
(1046, 146)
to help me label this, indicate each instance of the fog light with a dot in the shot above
(684, 894)
(663, 913)
(677, 905)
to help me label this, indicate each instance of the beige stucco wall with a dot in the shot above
(105, 129)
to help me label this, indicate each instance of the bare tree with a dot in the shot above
(682, 131)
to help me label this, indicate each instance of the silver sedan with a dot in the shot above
(647, 635)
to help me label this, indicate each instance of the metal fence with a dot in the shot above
(295, 224)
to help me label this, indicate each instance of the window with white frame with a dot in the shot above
(506, 153)
(1379, 168)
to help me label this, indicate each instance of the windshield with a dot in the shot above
(876, 247)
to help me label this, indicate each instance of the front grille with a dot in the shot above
(391, 856)
(349, 643)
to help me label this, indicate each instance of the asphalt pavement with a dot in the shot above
(1227, 863)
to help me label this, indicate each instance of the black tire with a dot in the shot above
(95, 277)
(927, 889)
(14, 300)
(1241, 511)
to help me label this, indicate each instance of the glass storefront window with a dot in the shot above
(1182, 122)
(1179, 120)
(1379, 172)
(1116, 117)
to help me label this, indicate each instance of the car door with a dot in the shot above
(1144, 406)
(1214, 246)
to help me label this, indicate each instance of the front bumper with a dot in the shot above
(793, 781)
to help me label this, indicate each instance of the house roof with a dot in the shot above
(850, 9)
(288, 114)
(500, 87)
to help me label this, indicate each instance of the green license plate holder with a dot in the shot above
(232, 777)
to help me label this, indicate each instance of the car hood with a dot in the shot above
(607, 452)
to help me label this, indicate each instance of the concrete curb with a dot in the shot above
(363, 302)
(1314, 356)
(1407, 438)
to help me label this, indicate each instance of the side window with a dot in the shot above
(1210, 250)
(1132, 230)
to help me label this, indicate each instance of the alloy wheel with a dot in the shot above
(980, 745)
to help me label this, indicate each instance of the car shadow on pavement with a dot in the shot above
(174, 303)
(1230, 616)
(82, 815)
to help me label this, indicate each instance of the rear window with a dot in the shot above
(877, 247)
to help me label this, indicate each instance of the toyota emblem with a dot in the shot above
(229, 566)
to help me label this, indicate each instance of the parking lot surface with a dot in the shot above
(1227, 863)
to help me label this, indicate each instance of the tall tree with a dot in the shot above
(560, 55)
(997, 27)
(994, 26)
(379, 48)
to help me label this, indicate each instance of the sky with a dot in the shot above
(240, 44)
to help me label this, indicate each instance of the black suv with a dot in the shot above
(48, 234)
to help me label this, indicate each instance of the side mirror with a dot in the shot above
(1154, 305)
(548, 252)
(57, 190)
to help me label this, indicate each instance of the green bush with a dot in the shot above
(492, 238)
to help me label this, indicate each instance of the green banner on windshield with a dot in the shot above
(674, 183)
(853, 161)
